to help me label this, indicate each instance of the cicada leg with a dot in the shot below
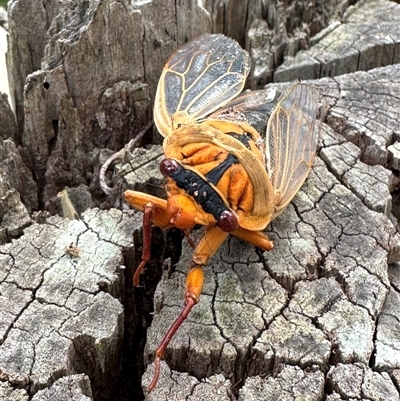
(139, 200)
(147, 213)
(189, 239)
(209, 243)
(154, 211)
(257, 238)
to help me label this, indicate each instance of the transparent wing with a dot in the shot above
(291, 141)
(198, 79)
(253, 107)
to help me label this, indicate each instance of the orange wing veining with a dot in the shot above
(198, 79)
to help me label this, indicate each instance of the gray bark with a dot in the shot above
(367, 37)
(314, 319)
(62, 313)
(92, 75)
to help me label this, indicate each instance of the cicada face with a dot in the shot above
(232, 162)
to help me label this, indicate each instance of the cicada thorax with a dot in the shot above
(207, 184)
(221, 171)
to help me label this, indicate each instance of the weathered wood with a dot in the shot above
(366, 38)
(28, 23)
(141, 170)
(316, 318)
(291, 383)
(8, 126)
(8, 392)
(270, 31)
(74, 387)
(18, 192)
(360, 382)
(15, 173)
(88, 78)
(62, 313)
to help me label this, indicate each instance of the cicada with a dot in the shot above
(232, 162)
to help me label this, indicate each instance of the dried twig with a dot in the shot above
(119, 155)
(68, 209)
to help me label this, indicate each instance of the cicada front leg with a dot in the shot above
(209, 243)
(148, 211)
(154, 212)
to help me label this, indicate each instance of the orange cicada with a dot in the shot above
(232, 163)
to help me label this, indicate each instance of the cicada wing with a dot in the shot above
(291, 141)
(198, 79)
(252, 107)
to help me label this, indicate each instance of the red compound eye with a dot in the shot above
(168, 166)
(228, 221)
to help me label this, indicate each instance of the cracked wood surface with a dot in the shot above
(62, 313)
(315, 319)
(316, 308)
(366, 37)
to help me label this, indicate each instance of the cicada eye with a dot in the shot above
(228, 221)
(168, 166)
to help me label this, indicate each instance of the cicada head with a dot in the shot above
(182, 212)
(192, 200)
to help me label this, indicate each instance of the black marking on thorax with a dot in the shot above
(201, 190)
(217, 172)
(242, 138)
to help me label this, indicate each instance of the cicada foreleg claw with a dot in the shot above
(147, 214)
(154, 213)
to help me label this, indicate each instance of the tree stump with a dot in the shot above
(314, 319)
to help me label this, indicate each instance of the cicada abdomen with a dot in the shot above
(232, 162)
